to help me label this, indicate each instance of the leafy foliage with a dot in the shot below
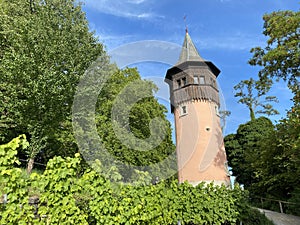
(69, 196)
(281, 57)
(144, 133)
(280, 159)
(244, 149)
(267, 160)
(252, 216)
(250, 93)
(13, 184)
(45, 47)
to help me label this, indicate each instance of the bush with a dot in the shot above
(251, 216)
(69, 196)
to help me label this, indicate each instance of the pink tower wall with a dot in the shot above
(200, 147)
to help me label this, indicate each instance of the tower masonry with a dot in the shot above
(195, 104)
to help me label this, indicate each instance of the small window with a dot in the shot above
(184, 81)
(183, 110)
(202, 80)
(179, 83)
(196, 80)
(213, 82)
(217, 110)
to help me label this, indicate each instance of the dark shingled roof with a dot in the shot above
(189, 63)
(190, 56)
(189, 51)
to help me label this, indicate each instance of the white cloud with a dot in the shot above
(112, 41)
(136, 1)
(235, 41)
(132, 9)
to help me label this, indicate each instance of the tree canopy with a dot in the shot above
(280, 59)
(252, 94)
(125, 126)
(45, 47)
(243, 149)
(265, 158)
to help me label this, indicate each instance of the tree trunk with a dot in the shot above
(252, 114)
(30, 165)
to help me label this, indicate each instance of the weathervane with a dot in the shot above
(186, 27)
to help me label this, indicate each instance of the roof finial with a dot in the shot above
(186, 27)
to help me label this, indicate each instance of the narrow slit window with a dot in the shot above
(178, 83)
(184, 81)
(217, 110)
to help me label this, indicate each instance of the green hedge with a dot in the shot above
(68, 196)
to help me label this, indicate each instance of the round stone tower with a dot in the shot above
(195, 104)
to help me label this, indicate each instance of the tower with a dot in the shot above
(195, 104)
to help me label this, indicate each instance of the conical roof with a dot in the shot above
(189, 56)
(189, 51)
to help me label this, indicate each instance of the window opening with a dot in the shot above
(196, 80)
(202, 80)
(183, 110)
(217, 110)
(184, 81)
(179, 83)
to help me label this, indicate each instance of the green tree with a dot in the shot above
(244, 149)
(125, 126)
(273, 165)
(280, 59)
(235, 154)
(250, 93)
(279, 165)
(45, 47)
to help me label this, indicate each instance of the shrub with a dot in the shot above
(69, 196)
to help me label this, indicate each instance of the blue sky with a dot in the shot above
(223, 31)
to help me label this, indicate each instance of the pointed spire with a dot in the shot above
(189, 51)
(186, 27)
